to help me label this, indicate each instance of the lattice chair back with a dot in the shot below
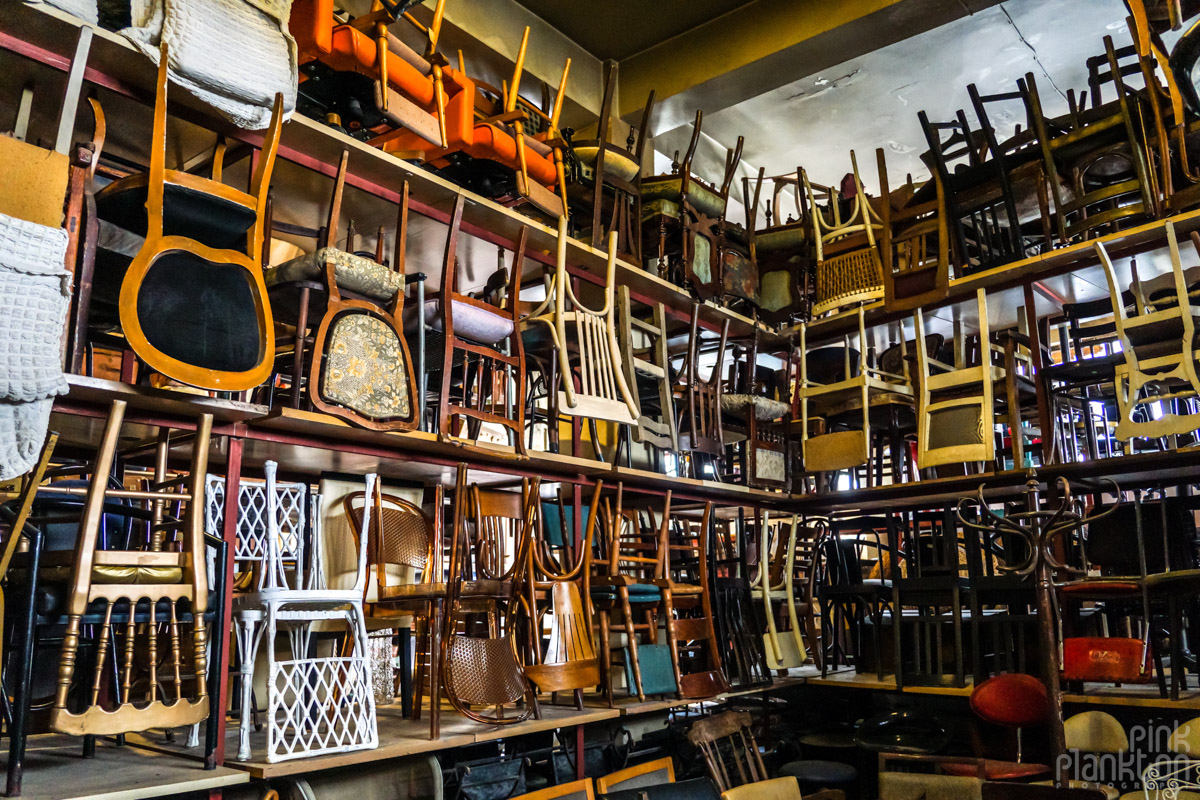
(135, 602)
(276, 562)
(603, 392)
(856, 274)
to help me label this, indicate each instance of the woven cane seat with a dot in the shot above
(483, 671)
(854, 277)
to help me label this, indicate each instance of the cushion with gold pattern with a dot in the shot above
(365, 369)
(353, 273)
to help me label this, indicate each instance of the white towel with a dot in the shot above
(86, 10)
(35, 293)
(234, 55)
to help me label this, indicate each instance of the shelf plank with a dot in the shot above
(56, 770)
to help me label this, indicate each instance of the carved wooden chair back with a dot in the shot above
(643, 345)
(730, 749)
(480, 667)
(589, 337)
(186, 251)
(781, 251)
(176, 693)
(849, 269)
(481, 347)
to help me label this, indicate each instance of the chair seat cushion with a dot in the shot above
(670, 187)
(638, 593)
(791, 237)
(353, 273)
(694, 789)
(765, 409)
(826, 774)
(619, 164)
(365, 368)
(136, 575)
(995, 770)
(660, 207)
(208, 218)
(484, 325)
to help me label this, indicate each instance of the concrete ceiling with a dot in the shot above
(872, 101)
(618, 29)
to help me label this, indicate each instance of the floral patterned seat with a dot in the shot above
(366, 368)
(353, 273)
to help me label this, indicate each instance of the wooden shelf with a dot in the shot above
(48, 36)
(1042, 267)
(308, 443)
(55, 769)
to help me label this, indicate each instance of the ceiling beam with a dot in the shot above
(768, 44)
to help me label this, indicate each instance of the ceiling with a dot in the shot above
(608, 29)
(872, 101)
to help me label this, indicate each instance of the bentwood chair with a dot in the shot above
(192, 303)
(699, 402)
(775, 584)
(642, 338)
(492, 532)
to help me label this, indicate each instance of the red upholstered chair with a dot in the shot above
(1012, 701)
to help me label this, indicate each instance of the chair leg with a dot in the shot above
(435, 671)
(631, 642)
(248, 639)
(21, 697)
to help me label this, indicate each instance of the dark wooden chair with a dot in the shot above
(756, 420)
(355, 364)
(782, 251)
(686, 217)
(606, 182)
(699, 402)
(474, 345)
(1099, 154)
(915, 245)
(642, 338)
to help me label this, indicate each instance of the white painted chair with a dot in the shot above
(315, 704)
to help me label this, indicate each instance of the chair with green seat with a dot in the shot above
(625, 591)
(686, 217)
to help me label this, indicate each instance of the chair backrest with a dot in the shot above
(729, 748)
(1163, 533)
(693, 789)
(575, 790)
(1185, 739)
(401, 535)
(686, 558)
(785, 788)
(275, 528)
(1013, 700)
(1095, 732)
(643, 344)
(700, 418)
(636, 536)
(650, 773)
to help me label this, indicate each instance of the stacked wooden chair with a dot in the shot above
(606, 188)
(698, 402)
(355, 364)
(642, 338)
(784, 585)
(489, 556)
(687, 601)
(756, 409)
(685, 217)
(782, 251)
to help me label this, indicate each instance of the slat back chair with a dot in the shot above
(613, 170)
(488, 558)
(730, 749)
(1159, 346)
(1077, 157)
(643, 344)
(687, 600)
(483, 360)
(202, 238)
(650, 773)
(700, 398)
(757, 407)
(568, 661)
(955, 412)
(109, 584)
(589, 336)
(915, 246)
(633, 555)
(849, 269)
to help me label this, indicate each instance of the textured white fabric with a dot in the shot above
(35, 291)
(234, 55)
(86, 10)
